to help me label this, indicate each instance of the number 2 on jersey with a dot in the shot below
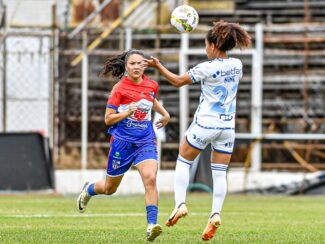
(219, 105)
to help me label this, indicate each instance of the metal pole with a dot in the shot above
(54, 63)
(306, 57)
(128, 38)
(4, 74)
(52, 78)
(257, 92)
(84, 104)
(183, 92)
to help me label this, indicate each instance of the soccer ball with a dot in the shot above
(184, 18)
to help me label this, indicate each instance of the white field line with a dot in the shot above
(110, 215)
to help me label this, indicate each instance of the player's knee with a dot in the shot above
(151, 180)
(110, 190)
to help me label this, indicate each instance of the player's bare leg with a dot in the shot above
(148, 173)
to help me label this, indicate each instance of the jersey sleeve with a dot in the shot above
(156, 89)
(114, 98)
(198, 73)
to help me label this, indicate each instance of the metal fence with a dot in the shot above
(26, 82)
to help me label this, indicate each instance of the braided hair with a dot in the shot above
(226, 36)
(116, 65)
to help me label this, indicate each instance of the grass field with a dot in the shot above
(121, 219)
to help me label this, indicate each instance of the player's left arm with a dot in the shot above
(173, 79)
(157, 107)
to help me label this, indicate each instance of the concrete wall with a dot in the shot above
(71, 181)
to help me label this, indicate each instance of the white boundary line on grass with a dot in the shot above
(108, 215)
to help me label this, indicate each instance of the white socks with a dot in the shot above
(182, 179)
(219, 173)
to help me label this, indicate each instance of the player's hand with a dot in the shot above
(163, 121)
(152, 62)
(132, 108)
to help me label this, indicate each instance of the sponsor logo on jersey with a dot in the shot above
(134, 124)
(226, 117)
(216, 74)
(117, 155)
(222, 73)
(229, 79)
(229, 144)
(233, 71)
(198, 140)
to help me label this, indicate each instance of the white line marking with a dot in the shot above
(81, 215)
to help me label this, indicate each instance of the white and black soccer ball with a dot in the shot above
(184, 19)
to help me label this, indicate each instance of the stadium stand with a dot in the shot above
(293, 57)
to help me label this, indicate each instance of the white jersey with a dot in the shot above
(219, 82)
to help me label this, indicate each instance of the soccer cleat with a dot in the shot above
(179, 212)
(83, 199)
(211, 228)
(153, 231)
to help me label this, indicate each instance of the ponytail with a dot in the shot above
(116, 65)
(226, 36)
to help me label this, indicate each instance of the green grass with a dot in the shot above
(246, 219)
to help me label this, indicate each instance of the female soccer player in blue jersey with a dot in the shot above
(128, 113)
(214, 120)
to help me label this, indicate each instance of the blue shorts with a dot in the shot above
(123, 154)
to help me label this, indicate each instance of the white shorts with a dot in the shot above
(222, 140)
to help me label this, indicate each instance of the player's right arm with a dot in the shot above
(112, 117)
(173, 79)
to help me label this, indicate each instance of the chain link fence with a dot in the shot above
(26, 82)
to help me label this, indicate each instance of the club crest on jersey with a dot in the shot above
(116, 164)
(152, 95)
(141, 113)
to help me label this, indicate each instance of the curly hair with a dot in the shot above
(226, 36)
(116, 65)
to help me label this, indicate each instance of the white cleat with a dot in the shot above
(153, 231)
(83, 199)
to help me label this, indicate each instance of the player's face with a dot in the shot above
(209, 49)
(135, 67)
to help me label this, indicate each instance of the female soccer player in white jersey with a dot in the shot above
(214, 120)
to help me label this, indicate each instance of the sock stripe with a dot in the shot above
(213, 167)
(185, 161)
(219, 167)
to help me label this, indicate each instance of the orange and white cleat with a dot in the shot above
(179, 212)
(211, 228)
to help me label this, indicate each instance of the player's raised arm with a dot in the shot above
(173, 79)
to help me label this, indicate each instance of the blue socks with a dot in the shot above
(90, 190)
(152, 214)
